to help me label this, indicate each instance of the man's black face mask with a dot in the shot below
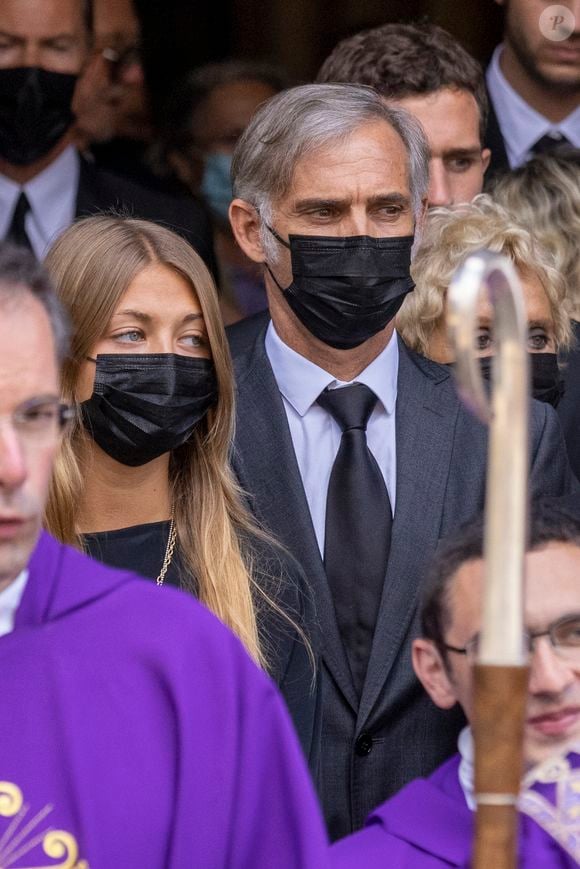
(35, 112)
(345, 290)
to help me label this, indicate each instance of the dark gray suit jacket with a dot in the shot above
(569, 407)
(493, 139)
(370, 749)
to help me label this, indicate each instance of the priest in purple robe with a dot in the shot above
(429, 824)
(135, 733)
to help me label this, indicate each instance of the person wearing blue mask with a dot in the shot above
(209, 111)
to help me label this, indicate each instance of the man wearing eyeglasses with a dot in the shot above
(429, 823)
(135, 731)
(46, 58)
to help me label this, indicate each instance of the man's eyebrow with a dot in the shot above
(319, 202)
(463, 152)
(37, 401)
(389, 199)
(312, 203)
(59, 37)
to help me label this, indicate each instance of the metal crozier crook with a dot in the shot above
(501, 672)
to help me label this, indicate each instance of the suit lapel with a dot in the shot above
(87, 199)
(426, 415)
(267, 467)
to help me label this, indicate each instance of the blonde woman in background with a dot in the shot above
(143, 478)
(544, 195)
(450, 235)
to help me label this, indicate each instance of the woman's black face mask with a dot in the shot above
(345, 290)
(546, 380)
(145, 405)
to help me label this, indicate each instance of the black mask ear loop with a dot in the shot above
(282, 241)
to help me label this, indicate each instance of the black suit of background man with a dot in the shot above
(40, 63)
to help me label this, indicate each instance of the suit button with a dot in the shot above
(364, 745)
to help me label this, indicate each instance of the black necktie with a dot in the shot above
(358, 525)
(550, 142)
(17, 230)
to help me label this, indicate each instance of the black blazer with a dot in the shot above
(100, 190)
(569, 407)
(494, 140)
(295, 672)
(371, 748)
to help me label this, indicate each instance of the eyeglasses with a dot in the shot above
(564, 635)
(120, 60)
(40, 419)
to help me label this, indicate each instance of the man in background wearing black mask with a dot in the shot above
(354, 450)
(44, 182)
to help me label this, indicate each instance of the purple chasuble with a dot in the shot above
(428, 825)
(137, 734)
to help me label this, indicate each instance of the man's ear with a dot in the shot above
(430, 670)
(485, 158)
(245, 222)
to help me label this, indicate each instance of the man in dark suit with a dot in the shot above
(533, 83)
(44, 182)
(355, 451)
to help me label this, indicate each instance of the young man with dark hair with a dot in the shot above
(533, 82)
(430, 822)
(424, 69)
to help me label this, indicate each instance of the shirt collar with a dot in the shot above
(301, 381)
(521, 125)
(466, 767)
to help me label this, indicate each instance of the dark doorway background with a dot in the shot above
(297, 34)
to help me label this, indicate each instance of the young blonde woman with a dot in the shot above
(143, 479)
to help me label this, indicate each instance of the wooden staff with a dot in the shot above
(501, 672)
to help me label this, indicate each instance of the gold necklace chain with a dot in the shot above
(171, 541)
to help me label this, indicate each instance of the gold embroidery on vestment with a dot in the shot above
(23, 835)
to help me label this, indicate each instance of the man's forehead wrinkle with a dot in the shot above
(329, 183)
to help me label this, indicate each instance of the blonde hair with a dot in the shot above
(92, 264)
(449, 236)
(544, 195)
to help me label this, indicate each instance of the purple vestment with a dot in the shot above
(135, 733)
(428, 825)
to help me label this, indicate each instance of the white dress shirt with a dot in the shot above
(316, 435)
(10, 601)
(522, 126)
(52, 195)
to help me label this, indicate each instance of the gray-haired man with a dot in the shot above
(355, 451)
